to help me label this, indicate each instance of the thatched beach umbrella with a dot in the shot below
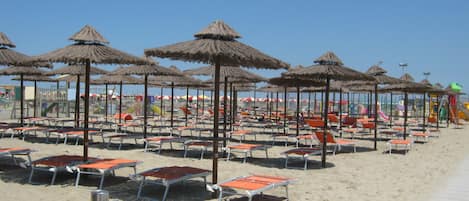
(407, 86)
(178, 79)
(78, 72)
(380, 76)
(21, 71)
(151, 68)
(88, 47)
(35, 79)
(112, 78)
(328, 67)
(9, 56)
(217, 45)
(296, 82)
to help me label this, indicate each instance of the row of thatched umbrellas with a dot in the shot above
(216, 45)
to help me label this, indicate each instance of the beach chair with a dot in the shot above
(242, 134)
(338, 143)
(399, 144)
(16, 151)
(306, 138)
(159, 141)
(197, 144)
(23, 131)
(420, 136)
(246, 149)
(251, 186)
(304, 153)
(315, 123)
(333, 120)
(56, 164)
(101, 167)
(167, 176)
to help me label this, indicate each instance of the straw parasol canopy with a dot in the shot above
(276, 88)
(70, 78)
(217, 45)
(151, 68)
(11, 57)
(328, 67)
(76, 70)
(39, 78)
(21, 71)
(334, 86)
(235, 74)
(88, 47)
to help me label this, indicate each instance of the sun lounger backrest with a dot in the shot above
(329, 137)
(315, 123)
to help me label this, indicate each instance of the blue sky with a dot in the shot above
(431, 36)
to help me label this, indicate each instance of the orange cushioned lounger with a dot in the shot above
(103, 166)
(167, 176)
(251, 185)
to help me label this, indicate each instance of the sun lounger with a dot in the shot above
(23, 131)
(12, 152)
(420, 136)
(306, 138)
(251, 186)
(159, 141)
(242, 134)
(338, 143)
(245, 149)
(198, 144)
(56, 164)
(72, 133)
(304, 153)
(168, 176)
(102, 167)
(405, 145)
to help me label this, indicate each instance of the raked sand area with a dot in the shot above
(365, 175)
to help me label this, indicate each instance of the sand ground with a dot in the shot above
(366, 175)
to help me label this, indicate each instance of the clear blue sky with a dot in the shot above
(431, 36)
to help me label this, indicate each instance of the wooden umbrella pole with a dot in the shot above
(68, 102)
(423, 113)
(314, 103)
(231, 106)
(405, 113)
(324, 144)
(145, 106)
(197, 105)
(438, 112)
(35, 99)
(309, 103)
(21, 100)
(375, 146)
(77, 103)
(87, 108)
(120, 102)
(297, 110)
(276, 107)
(285, 111)
(390, 112)
(225, 109)
(105, 103)
(235, 105)
(340, 112)
(215, 123)
(172, 105)
(161, 101)
(203, 102)
(254, 103)
(187, 105)
(57, 97)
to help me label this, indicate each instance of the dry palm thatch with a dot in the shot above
(21, 70)
(328, 67)
(11, 57)
(70, 78)
(332, 69)
(88, 47)
(276, 88)
(234, 73)
(76, 70)
(151, 68)
(334, 86)
(216, 45)
(407, 77)
(39, 78)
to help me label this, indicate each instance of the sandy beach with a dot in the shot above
(365, 175)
